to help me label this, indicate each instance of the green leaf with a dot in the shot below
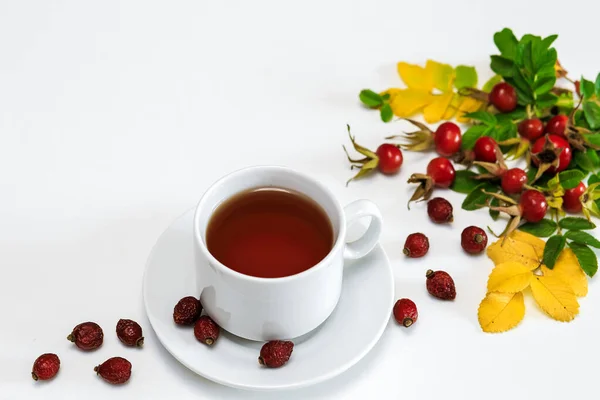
(586, 257)
(483, 116)
(505, 132)
(502, 66)
(597, 85)
(547, 42)
(531, 173)
(544, 85)
(571, 178)
(593, 179)
(472, 134)
(583, 238)
(386, 97)
(506, 42)
(546, 100)
(370, 98)
(587, 88)
(493, 81)
(583, 161)
(544, 228)
(554, 246)
(576, 224)
(493, 213)
(477, 199)
(592, 155)
(516, 115)
(593, 139)
(591, 109)
(464, 182)
(465, 77)
(386, 113)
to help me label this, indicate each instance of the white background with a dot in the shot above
(116, 116)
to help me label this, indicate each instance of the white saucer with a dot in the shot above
(340, 342)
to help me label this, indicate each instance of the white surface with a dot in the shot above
(326, 352)
(288, 307)
(115, 116)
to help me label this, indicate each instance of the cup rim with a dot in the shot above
(338, 243)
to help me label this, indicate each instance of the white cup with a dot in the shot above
(278, 308)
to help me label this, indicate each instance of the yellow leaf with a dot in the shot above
(468, 105)
(520, 247)
(436, 110)
(392, 92)
(499, 312)
(407, 102)
(555, 297)
(415, 76)
(509, 277)
(442, 75)
(567, 269)
(452, 107)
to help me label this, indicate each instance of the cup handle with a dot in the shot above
(363, 245)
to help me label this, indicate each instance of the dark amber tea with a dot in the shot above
(269, 233)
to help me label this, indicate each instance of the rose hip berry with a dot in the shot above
(130, 333)
(513, 181)
(416, 245)
(439, 210)
(447, 139)
(504, 97)
(533, 205)
(473, 240)
(572, 199)
(45, 367)
(116, 370)
(206, 330)
(187, 311)
(485, 149)
(387, 158)
(87, 336)
(405, 312)
(441, 285)
(390, 158)
(557, 125)
(440, 173)
(531, 129)
(551, 153)
(275, 353)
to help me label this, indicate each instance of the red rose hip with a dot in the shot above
(551, 153)
(206, 330)
(572, 199)
(439, 210)
(504, 97)
(533, 205)
(130, 333)
(45, 367)
(416, 245)
(275, 353)
(87, 336)
(531, 129)
(116, 370)
(485, 149)
(441, 285)
(447, 139)
(440, 173)
(473, 240)
(187, 311)
(390, 158)
(557, 125)
(513, 181)
(405, 312)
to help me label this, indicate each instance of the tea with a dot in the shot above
(269, 233)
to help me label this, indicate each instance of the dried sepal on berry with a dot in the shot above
(425, 188)
(420, 140)
(547, 158)
(494, 170)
